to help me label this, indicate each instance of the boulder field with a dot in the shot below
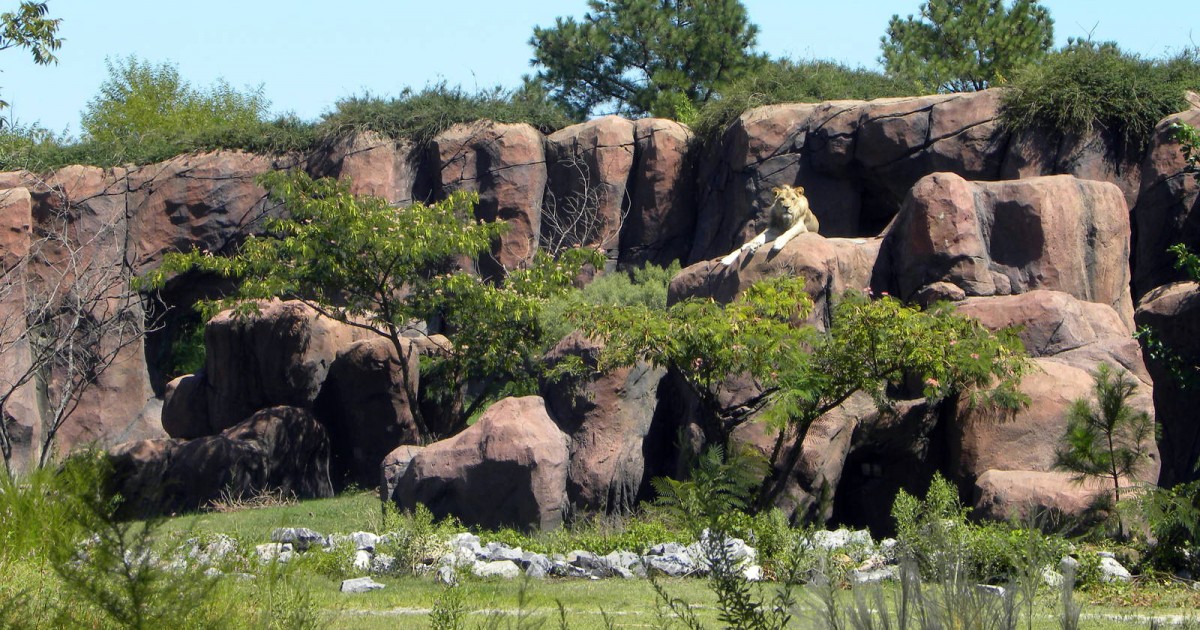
(926, 198)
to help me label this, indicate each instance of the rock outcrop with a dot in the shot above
(1167, 210)
(509, 469)
(281, 450)
(997, 238)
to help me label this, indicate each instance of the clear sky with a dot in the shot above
(309, 54)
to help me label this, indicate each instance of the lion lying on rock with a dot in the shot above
(790, 215)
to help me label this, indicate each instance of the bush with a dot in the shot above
(645, 286)
(422, 115)
(787, 81)
(1086, 87)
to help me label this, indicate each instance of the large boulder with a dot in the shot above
(1002, 495)
(662, 215)
(830, 265)
(365, 405)
(999, 238)
(1172, 314)
(506, 165)
(588, 165)
(509, 469)
(373, 164)
(280, 450)
(1168, 208)
(393, 468)
(21, 417)
(606, 417)
(278, 355)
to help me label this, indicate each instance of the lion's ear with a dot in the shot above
(800, 189)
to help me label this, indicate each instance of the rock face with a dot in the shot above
(364, 403)
(1069, 338)
(509, 469)
(1168, 208)
(21, 416)
(373, 164)
(278, 356)
(281, 449)
(1057, 233)
(506, 165)
(589, 169)
(857, 160)
(1172, 313)
(662, 217)
(606, 417)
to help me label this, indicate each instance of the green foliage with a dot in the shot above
(422, 115)
(1109, 439)
(717, 489)
(788, 81)
(1088, 86)
(29, 28)
(645, 286)
(1173, 515)
(637, 56)
(187, 350)
(598, 534)
(803, 373)
(360, 261)
(414, 537)
(966, 45)
(1188, 138)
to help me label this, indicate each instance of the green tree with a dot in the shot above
(639, 55)
(966, 45)
(799, 372)
(142, 102)
(1109, 439)
(388, 271)
(29, 28)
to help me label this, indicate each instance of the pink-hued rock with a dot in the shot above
(1002, 495)
(281, 450)
(831, 265)
(393, 468)
(364, 404)
(997, 238)
(1172, 313)
(509, 469)
(277, 356)
(506, 165)
(1026, 439)
(662, 216)
(185, 408)
(606, 417)
(21, 416)
(374, 165)
(589, 167)
(1168, 207)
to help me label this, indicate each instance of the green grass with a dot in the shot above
(346, 513)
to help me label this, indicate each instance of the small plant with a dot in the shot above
(717, 489)
(449, 610)
(1109, 439)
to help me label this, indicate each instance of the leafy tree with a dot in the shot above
(966, 45)
(388, 271)
(1109, 439)
(143, 102)
(29, 28)
(799, 372)
(642, 55)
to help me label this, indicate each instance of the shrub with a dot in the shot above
(645, 286)
(1087, 86)
(788, 81)
(422, 115)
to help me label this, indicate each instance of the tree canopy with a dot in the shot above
(29, 28)
(638, 56)
(966, 45)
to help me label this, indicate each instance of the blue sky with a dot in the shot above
(309, 54)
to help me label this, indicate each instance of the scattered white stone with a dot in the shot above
(1068, 563)
(842, 538)
(1052, 578)
(301, 537)
(364, 541)
(753, 573)
(383, 563)
(362, 560)
(998, 591)
(360, 585)
(274, 552)
(860, 577)
(506, 569)
(447, 576)
(1112, 571)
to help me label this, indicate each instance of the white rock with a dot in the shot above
(506, 569)
(360, 585)
(1112, 571)
(1052, 578)
(447, 576)
(362, 560)
(364, 541)
(274, 552)
(753, 573)
(872, 576)
(383, 563)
